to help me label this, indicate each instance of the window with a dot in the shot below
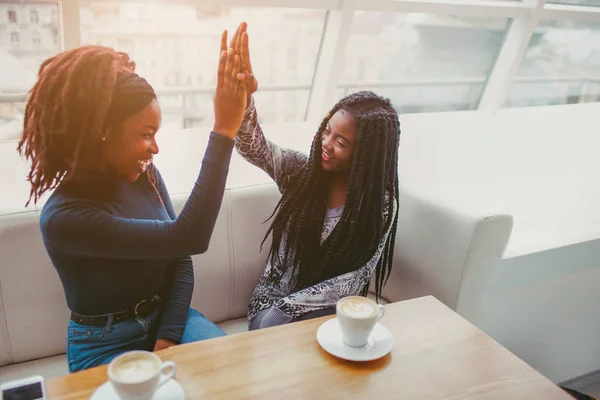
(184, 40)
(22, 50)
(561, 66)
(34, 16)
(12, 16)
(422, 62)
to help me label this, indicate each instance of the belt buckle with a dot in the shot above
(136, 311)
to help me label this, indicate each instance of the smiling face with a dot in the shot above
(128, 149)
(338, 141)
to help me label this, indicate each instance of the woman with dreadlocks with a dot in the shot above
(121, 252)
(335, 224)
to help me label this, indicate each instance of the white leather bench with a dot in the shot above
(440, 245)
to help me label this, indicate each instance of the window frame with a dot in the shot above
(524, 16)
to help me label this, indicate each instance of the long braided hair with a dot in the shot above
(69, 113)
(372, 192)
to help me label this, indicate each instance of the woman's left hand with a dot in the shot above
(239, 43)
(162, 344)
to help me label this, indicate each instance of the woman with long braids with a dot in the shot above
(335, 225)
(121, 252)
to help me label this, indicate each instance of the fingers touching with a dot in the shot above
(235, 69)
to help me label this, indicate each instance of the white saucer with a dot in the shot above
(380, 342)
(171, 390)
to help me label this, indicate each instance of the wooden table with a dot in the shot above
(437, 355)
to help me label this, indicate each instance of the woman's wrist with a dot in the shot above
(224, 131)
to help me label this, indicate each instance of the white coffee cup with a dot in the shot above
(357, 317)
(136, 375)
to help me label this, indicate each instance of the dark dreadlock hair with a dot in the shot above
(79, 95)
(373, 189)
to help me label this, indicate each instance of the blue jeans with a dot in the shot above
(90, 346)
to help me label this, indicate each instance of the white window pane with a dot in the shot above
(423, 62)
(561, 66)
(176, 48)
(29, 34)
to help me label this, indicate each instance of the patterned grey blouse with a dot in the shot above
(273, 303)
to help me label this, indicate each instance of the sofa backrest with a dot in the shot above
(439, 245)
(225, 276)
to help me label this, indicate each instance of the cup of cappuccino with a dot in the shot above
(138, 374)
(357, 317)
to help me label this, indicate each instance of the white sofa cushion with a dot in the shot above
(441, 244)
(212, 269)
(34, 310)
(250, 208)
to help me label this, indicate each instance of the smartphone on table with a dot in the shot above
(31, 388)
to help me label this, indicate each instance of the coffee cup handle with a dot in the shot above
(381, 311)
(167, 372)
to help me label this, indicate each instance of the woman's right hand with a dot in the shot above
(231, 94)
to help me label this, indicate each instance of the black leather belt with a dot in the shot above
(141, 310)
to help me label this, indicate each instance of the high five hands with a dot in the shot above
(239, 44)
(235, 83)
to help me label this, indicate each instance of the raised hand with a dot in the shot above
(231, 93)
(239, 43)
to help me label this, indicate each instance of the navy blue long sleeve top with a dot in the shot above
(114, 243)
